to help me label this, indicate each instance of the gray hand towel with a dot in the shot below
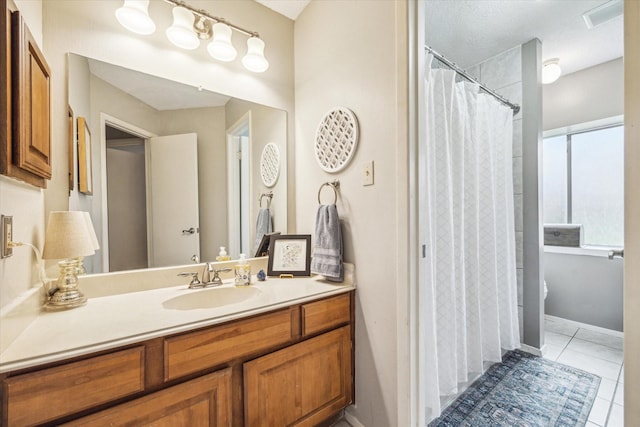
(263, 226)
(327, 252)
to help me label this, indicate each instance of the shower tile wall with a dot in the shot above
(503, 73)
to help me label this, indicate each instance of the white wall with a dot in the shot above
(584, 288)
(353, 54)
(24, 202)
(586, 95)
(632, 213)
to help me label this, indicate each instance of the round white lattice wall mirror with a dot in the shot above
(336, 139)
(270, 164)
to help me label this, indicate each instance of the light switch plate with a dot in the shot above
(367, 173)
(6, 236)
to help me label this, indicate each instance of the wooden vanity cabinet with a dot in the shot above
(291, 366)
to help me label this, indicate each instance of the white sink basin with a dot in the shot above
(211, 298)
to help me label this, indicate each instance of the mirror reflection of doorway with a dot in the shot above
(239, 161)
(152, 214)
(126, 200)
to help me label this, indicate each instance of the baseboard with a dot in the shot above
(351, 419)
(532, 350)
(586, 326)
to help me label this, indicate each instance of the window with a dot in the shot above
(583, 183)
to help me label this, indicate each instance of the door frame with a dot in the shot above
(106, 119)
(234, 225)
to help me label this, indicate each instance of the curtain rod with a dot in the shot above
(462, 73)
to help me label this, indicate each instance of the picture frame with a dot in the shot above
(263, 247)
(71, 145)
(289, 254)
(85, 170)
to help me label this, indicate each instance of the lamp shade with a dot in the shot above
(67, 236)
(92, 231)
(181, 32)
(134, 16)
(551, 71)
(254, 60)
(220, 47)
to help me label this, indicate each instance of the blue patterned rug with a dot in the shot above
(524, 391)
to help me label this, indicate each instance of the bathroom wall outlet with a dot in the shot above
(7, 236)
(367, 173)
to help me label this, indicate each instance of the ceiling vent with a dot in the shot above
(603, 13)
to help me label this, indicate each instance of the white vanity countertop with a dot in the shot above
(115, 320)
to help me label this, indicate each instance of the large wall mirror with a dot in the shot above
(176, 169)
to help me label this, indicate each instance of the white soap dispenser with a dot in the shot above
(243, 272)
(222, 255)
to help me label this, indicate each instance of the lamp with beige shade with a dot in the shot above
(69, 237)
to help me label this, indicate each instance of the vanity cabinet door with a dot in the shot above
(301, 385)
(203, 402)
(27, 154)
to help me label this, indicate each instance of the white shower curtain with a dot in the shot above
(468, 289)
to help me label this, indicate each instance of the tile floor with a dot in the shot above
(597, 352)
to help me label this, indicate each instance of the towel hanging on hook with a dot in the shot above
(335, 185)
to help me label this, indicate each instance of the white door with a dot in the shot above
(173, 200)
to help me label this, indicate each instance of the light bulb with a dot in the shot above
(551, 71)
(181, 32)
(134, 16)
(254, 60)
(220, 47)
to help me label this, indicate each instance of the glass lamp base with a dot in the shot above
(63, 300)
(68, 295)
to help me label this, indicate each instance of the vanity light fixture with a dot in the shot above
(254, 60)
(69, 239)
(551, 70)
(190, 25)
(221, 48)
(134, 16)
(181, 32)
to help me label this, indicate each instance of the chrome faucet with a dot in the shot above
(207, 280)
(215, 280)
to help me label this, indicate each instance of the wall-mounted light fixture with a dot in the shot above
(551, 70)
(191, 25)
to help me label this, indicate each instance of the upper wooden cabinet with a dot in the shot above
(25, 104)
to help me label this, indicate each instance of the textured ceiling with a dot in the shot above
(289, 8)
(156, 92)
(471, 31)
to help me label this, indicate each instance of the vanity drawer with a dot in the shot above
(326, 314)
(46, 395)
(196, 351)
(204, 401)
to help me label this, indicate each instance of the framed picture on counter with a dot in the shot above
(289, 255)
(263, 247)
